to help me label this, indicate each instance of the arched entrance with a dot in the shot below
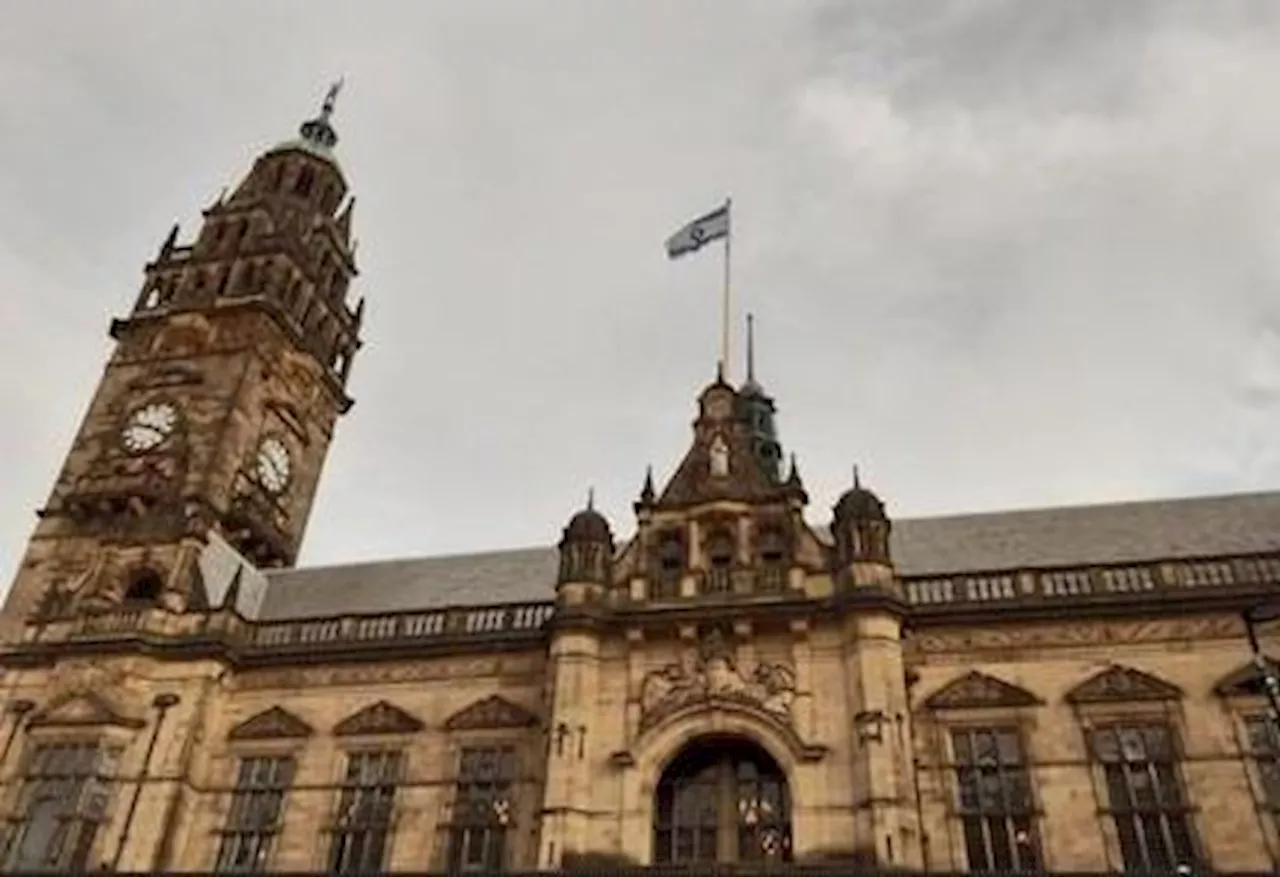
(722, 799)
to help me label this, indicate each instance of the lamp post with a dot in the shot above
(1253, 616)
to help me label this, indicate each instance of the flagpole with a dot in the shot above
(724, 304)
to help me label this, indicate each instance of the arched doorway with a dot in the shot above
(722, 799)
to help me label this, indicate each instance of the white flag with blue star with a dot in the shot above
(703, 230)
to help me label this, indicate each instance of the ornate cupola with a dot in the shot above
(586, 556)
(760, 413)
(860, 527)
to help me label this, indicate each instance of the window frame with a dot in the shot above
(389, 745)
(239, 756)
(453, 828)
(521, 852)
(1245, 708)
(111, 745)
(959, 816)
(941, 722)
(1092, 717)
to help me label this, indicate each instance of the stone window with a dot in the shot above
(254, 820)
(670, 566)
(62, 804)
(995, 804)
(720, 549)
(363, 824)
(483, 809)
(145, 586)
(1144, 796)
(1264, 749)
(722, 800)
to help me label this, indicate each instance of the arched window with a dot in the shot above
(145, 586)
(670, 563)
(772, 547)
(722, 799)
(720, 548)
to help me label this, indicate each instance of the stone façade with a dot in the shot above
(851, 651)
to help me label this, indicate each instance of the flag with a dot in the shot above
(703, 230)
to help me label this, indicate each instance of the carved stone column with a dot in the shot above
(574, 726)
(883, 796)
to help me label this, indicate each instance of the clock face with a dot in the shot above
(272, 465)
(148, 426)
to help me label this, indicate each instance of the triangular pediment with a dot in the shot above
(83, 709)
(976, 690)
(273, 723)
(492, 712)
(378, 718)
(1119, 684)
(1246, 680)
(721, 464)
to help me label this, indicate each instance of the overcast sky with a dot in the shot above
(1002, 253)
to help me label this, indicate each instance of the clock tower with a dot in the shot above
(218, 404)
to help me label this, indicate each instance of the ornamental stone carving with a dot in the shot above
(1118, 684)
(710, 674)
(977, 690)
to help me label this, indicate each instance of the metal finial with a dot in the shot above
(330, 98)
(591, 499)
(751, 349)
(856, 482)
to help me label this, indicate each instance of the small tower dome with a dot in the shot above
(859, 504)
(860, 526)
(586, 547)
(588, 525)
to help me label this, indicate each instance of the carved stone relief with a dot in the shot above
(376, 674)
(1246, 680)
(1084, 633)
(1120, 685)
(84, 708)
(492, 712)
(378, 718)
(274, 723)
(977, 690)
(710, 674)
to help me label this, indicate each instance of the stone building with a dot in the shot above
(739, 679)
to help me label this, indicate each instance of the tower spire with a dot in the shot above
(751, 349)
(331, 98)
(318, 132)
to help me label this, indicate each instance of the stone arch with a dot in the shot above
(143, 585)
(722, 799)
(662, 744)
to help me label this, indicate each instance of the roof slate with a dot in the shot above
(1065, 536)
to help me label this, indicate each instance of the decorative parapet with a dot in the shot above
(1233, 582)
(223, 633)
(1161, 580)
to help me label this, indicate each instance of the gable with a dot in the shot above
(492, 712)
(1119, 684)
(274, 723)
(80, 710)
(976, 690)
(1246, 680)
(378, 718)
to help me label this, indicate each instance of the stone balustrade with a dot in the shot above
(928, 596)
